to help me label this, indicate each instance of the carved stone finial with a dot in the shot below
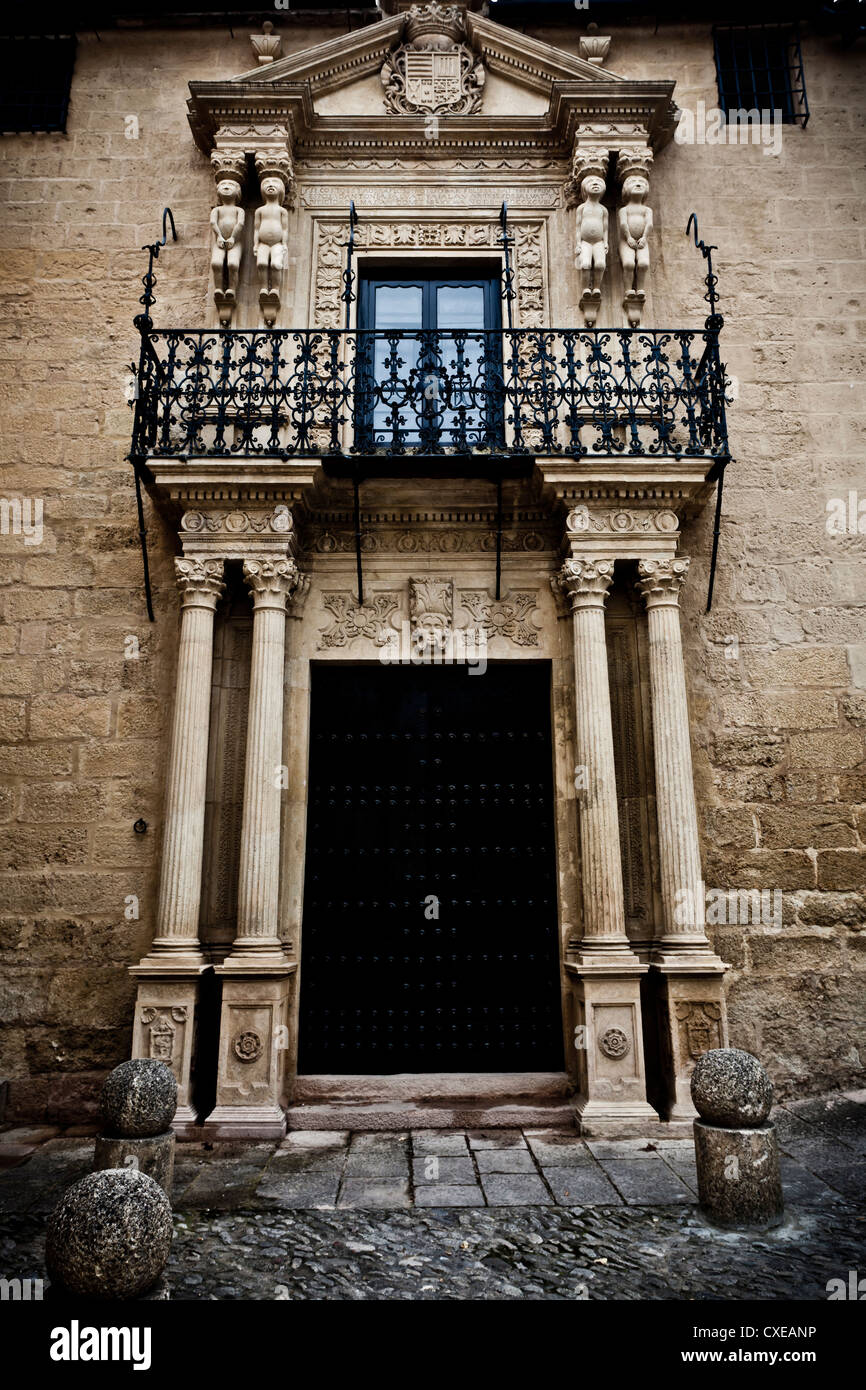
(660, 581)
(594, 48)
(268, 45)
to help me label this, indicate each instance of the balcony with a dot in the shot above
(383, 401)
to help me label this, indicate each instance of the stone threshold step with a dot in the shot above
(405, 1115)
(440, 1088)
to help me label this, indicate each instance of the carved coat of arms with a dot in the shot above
(433, 71)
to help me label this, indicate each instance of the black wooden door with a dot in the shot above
(429, 932)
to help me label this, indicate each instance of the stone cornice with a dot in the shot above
(621, 112)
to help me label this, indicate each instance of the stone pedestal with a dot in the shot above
(609, 1050)
(692, 1019)
(250, 1096)
(739, 1184)
(153, 1155)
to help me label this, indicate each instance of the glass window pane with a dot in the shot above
(399, 306)
(460, 306)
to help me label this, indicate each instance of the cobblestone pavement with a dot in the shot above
(493, 1214)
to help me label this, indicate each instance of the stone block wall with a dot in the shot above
(777, 671)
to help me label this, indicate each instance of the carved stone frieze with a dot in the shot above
(508, 617)
(461, 539)
(351, 619)
(620, 520)
(238, 522)
(418, 196)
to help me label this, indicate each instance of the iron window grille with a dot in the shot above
(37, 80)
(759, 67)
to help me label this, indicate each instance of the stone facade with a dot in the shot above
(774, 678)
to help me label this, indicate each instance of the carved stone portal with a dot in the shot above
(433, 71)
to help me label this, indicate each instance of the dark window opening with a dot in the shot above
(760, 67)
(37, 78)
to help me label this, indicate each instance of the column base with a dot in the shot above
(165, 1020)
(609, 1045)
(253, 1046)
(692, 1020)
(244, 1122)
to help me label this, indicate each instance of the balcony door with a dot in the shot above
(430, 368)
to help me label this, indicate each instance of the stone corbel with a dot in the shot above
(634, 226)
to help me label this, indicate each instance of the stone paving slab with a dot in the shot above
(373, 1192)
(441, 1195)
(643, 1183)
(584, 1186)
(450, 1169)
(495, 1139)
(515, 1190)
(505, 1161)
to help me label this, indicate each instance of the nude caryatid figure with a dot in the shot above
(635, 225)
(271, 245)
(227, 226)
(592, 233)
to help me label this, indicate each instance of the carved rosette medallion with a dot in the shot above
(614, 1043)
(248, 1046)
(433, 71)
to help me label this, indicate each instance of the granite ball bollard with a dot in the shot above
(730, 1088)
(739, 1184)
(109, 1236)
(139, 1099)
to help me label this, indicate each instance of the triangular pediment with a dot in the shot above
(333, 98)
(348, 59)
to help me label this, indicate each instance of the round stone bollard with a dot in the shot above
(737, 1157)
(109, 1236)
(139, 1099)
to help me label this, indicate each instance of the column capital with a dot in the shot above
(585, 582)
(661, 580)
(271, 581)
(200, 582)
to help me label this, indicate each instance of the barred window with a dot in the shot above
(760, 67)
(37, 75)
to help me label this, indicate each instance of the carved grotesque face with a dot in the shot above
(592, 185)
(227, 190)
(272, 188)
(635, 186)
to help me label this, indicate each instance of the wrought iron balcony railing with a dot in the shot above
(304, 393)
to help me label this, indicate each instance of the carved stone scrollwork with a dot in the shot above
(433, 71)
(352, 619)
(507, 617)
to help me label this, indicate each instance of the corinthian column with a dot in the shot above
(692, 1011)
(270, 582)
(586, 583)
(683, 893)
(168, 977)
(200, 583)
(255, 976)
(606, 977)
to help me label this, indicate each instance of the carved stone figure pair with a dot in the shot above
(270, 246)
(634, 224)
